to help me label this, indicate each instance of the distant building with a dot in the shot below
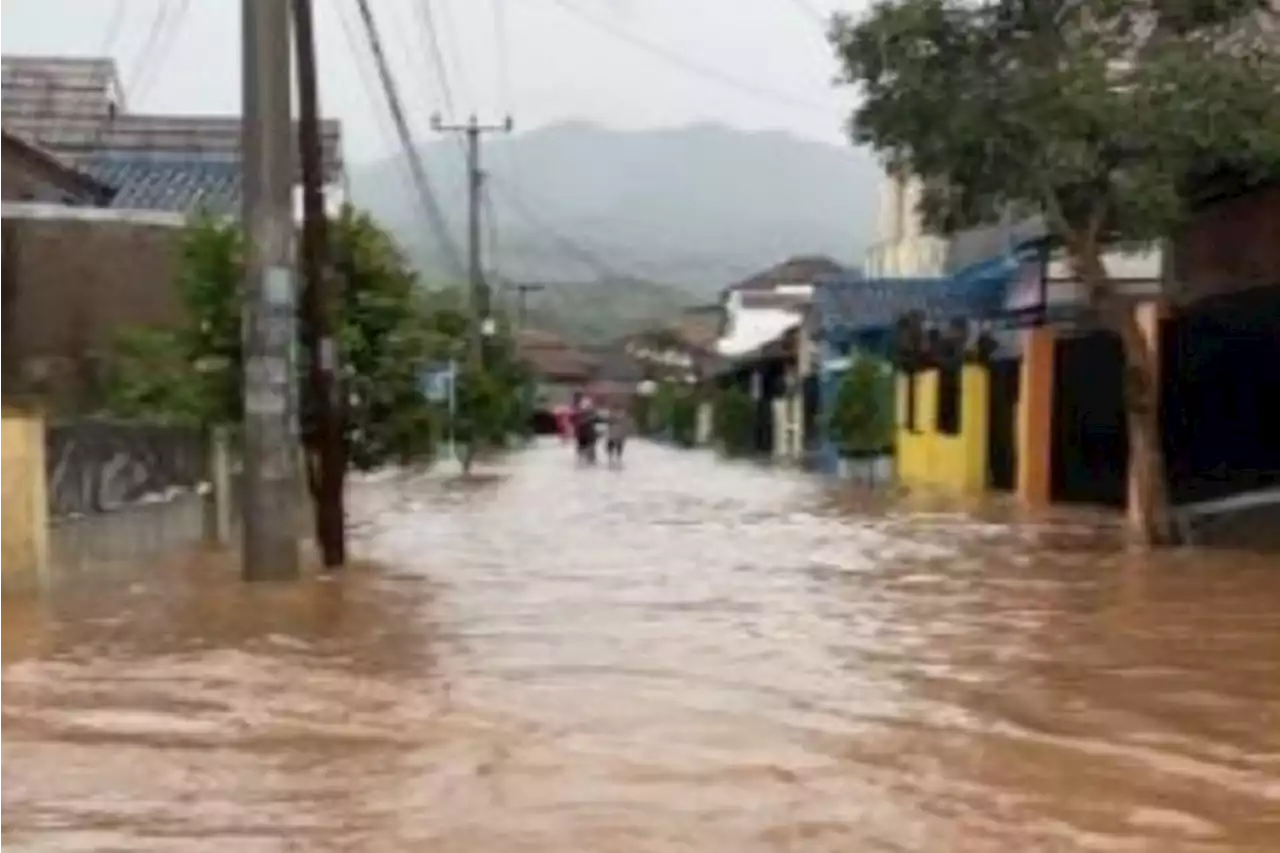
(75, 109)
(81, 171)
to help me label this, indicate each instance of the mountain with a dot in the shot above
(693, 208)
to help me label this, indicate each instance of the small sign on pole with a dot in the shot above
(439, 385)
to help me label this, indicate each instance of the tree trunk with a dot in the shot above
(1149, 510)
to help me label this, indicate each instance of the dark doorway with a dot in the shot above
(1220, 400)
(810, 423)
(1002, 419)
(1090, 461)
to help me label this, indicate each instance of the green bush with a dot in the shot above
(734, 422)
(861, 417)
(673, 413)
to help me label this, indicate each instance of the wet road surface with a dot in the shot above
(684, 655)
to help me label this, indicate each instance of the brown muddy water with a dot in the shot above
(684, 655)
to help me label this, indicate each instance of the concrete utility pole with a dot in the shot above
(478, 290)
(323, 432)
(522, 301)
(270, 505)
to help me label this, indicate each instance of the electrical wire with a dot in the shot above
(426, 196)
(573, 249)
(160, 40)
(426, 18)
(806, 9)
(499, 8)
(692, 66)
(368, 81)
(114, 23)
(450, 34)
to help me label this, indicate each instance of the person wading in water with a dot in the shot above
(620, 426)
(584, 427)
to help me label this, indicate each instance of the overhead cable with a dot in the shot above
(438, 225)
(693, 66)
(160, 40)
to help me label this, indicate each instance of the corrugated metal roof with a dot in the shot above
(852, 307)
(187, 186)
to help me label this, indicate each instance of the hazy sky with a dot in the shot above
(558, 66)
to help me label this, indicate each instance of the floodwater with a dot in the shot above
(685, 655)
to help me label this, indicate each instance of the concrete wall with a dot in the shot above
(74, 279)
(928, 458)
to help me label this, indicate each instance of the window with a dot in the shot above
(948, 421)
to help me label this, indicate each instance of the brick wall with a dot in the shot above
(72, 284)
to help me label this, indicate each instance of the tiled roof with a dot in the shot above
(851, 307)
(190, 185)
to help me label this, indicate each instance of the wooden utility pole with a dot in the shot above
(270, 505)
(479, 292)
(323, 427)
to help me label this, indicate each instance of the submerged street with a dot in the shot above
(683, 655)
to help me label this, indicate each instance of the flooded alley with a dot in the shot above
(683, 655)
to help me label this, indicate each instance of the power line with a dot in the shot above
(500, 47)
(113, 29)
(690, 65)
(427, 19)
(584, 256)
(811, 13)
(160, 38)
(451, 37)
(426, 196)
(367, 83)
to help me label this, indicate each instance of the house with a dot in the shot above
(902, 247)
(75, 108)
(559, 368)
(33, 174)
(765, 349)
(141, 177)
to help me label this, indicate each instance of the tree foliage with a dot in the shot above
(1095, 113)
(391, 330)
(1100, 116)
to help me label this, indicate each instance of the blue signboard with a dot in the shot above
(437, 383)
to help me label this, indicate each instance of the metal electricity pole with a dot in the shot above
(323, 427)
(479, 295)
(271, 492)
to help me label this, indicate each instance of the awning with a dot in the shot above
(754, 328)
(865, 311)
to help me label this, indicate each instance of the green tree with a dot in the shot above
(861, 419)
(390, 331)
(1096, 114)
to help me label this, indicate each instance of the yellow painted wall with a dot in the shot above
(25, 513)
(930, 459)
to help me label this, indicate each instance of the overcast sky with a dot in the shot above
(558, 66)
